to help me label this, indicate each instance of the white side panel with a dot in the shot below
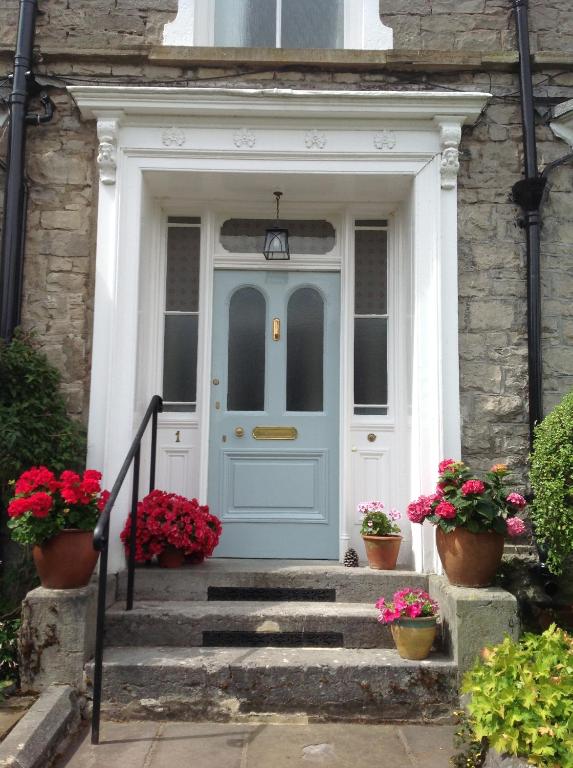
(178, 459)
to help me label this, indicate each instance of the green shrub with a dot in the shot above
(522, 698)
(552, 481)
(35, 427)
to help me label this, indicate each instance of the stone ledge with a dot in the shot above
(473, 618)
(39, 735)
(423, 60)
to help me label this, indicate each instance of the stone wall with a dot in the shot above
(484, 25)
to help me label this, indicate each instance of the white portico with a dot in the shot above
(384, 163)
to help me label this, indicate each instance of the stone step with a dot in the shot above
(233, 684)
(334, 582)
(173, 623)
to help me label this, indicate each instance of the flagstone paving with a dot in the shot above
(262, 745)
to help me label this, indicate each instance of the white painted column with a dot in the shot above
(114, 364)
(105, 288)
(427, 425)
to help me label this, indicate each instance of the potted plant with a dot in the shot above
(551, 477)
(57, 517)
(413, 617)
(172, 528)
(380, 534)
(471, 517)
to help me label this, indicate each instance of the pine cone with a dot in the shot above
(351, 558)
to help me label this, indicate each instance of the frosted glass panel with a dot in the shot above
(305, 236)
(312, 24)
(180, 358)
(305, 351)
(370, 361)
(246, 366)
(371, 272)
(245, 23)
(182, 283)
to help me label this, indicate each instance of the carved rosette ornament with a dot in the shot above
(172, 137)
(315, 139)
(244, 138)
(385, 140)
(450, 137)
(107, 150)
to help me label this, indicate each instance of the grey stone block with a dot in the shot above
(232, 684)
(473, 618)
(57, 636)
(495, 760)
(41, 732)
(352, 585)
(183, 624)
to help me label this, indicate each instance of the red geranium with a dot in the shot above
(43, 505)
(166, 519)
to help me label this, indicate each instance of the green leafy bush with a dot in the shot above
(552, 481)
(35, 427)
(522, 698)
(8, 652)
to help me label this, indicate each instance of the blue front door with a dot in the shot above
(273, 458)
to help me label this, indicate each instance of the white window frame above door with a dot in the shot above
(194, 25)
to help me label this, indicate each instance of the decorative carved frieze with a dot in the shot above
(315, 139)
(450, 137)
(385, 140)
(244, 138)
(107, 150)
(172, 137)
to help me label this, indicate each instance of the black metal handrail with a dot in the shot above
(101, 542)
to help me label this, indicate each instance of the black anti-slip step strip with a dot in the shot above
(234, 639)
(293, 594)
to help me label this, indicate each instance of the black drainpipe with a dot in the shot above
(15, 194)
(528, 194)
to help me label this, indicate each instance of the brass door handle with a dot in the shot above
(239, 432)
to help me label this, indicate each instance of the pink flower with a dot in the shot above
(446, 510)
(420, 509)
(471, 487)
(517, 500)
(444, 465)
(515, 526)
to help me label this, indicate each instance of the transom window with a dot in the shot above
(279, 23)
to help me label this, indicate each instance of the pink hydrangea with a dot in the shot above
(446, 510)
(471, 487)
(516, 499)
(515, 526)
(444, 465)
(419, 510)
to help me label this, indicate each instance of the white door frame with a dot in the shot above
(176, 130)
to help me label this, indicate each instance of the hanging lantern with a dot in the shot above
(276, 238)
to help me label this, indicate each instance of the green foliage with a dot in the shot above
(34, 425)
(8, 651)
(473, 751)
(522, 698)
(552, 481)
(378, 524)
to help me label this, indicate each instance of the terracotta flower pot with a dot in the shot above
(414, 637)
(171, 558)
(469, 559)
(382, 551)
(67, 560)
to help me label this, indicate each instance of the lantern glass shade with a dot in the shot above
(276, 244)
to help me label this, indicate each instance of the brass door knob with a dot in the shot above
(239, 431)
